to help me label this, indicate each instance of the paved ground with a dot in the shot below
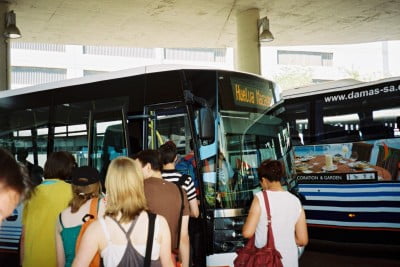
(330, 254)
(317, 254)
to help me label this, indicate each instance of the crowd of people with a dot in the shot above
(133, 223)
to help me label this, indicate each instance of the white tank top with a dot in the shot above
(285, 211)
(112, 253)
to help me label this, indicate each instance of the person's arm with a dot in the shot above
(59, 247)
(190, 190)
(165, 246)
(194, 208)
(253, 217)
(89, 245)
(301, 234)
(184, 244)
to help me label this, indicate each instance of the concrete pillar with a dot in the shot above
(248, 46)
(4, 50)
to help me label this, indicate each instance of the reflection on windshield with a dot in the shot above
(245, 140)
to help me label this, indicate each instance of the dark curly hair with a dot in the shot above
(271, 170)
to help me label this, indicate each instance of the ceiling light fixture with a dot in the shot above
(11, 31)
(265, 34)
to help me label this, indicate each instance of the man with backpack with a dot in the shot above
(186, 165)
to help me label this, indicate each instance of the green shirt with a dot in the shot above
(69, 236)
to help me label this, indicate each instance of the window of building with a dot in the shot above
(119, 51)
(38, 46)
(196, 54)
(304, 58)
(36, 75)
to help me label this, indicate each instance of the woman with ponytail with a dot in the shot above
(83, 208)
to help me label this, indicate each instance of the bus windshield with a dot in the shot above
(245, 140)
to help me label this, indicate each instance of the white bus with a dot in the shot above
(347, 155)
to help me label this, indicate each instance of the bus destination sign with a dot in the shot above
(251, 93)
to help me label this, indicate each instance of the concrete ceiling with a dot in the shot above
(203, 23)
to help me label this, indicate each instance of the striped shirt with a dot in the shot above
(173, 176)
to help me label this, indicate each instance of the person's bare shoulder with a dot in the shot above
(162, 220)
(95, 227)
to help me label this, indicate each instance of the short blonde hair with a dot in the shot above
(125, 189)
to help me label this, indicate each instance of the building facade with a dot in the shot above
(35, 63)
(303, 65)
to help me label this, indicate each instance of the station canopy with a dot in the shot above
(205, 23)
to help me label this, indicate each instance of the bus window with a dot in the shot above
(109, 143)
(108, 132)
(70, 131)
(40, 140)
(78, 146)
(297, 115)
(29, 132)
(390, 119)
(341, 128)
(245, 140)
(154, 136)
(170, 125)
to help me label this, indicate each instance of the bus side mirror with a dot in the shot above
(206, 125)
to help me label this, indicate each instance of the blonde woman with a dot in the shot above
(121, 236)
(84, 206)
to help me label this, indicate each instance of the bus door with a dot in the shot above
(169, 123)
(173, 123)
(108, 134)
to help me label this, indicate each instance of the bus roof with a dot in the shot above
(100, 77)
(332, 86)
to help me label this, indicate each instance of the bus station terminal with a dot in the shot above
(337, 142)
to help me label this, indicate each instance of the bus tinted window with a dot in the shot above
(29, 132)
(340, 128)
(70, 130)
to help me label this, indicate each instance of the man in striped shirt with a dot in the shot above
(169, 157)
